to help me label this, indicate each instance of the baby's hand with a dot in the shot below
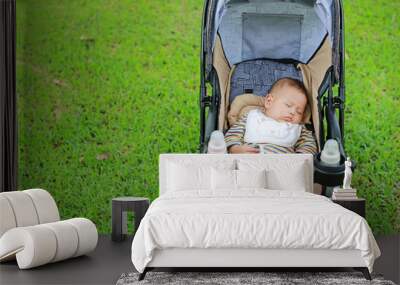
(243, 149)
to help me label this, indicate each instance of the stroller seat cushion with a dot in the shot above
(258, 76)
(242, 105)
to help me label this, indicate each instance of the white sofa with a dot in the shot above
(31, 231)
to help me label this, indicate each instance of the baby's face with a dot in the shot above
(286, 104)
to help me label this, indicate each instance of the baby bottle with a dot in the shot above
(330, 155)
(217, 143)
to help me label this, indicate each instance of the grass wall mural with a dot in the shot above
(104, 87)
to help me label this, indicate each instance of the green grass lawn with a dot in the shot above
(104, 87)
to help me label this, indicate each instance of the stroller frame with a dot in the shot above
(328, 102)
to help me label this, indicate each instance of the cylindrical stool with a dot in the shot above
(120, 206)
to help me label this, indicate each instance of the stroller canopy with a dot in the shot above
(273, 29)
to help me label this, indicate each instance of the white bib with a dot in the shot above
(263, 129)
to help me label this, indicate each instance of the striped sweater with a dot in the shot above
(305, 144)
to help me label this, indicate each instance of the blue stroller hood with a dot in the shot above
(252, 29)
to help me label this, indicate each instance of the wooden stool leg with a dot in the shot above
(124, 221)
(140, 211)
(116, 222)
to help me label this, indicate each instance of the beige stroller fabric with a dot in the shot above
(243, 104)
(313, 73)
(223, 69)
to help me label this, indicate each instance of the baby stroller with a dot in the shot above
(249, 44)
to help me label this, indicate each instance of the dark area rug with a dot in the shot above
(273, 278)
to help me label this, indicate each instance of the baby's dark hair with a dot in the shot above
(291, 82)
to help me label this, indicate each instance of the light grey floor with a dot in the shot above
(110, 260)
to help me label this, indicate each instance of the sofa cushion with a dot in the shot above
(23, 208)
(26, 208)
(45, 206)
(7, 220)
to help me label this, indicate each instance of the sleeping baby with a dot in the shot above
(276, 129)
